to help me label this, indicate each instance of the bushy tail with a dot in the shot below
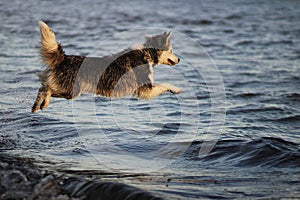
(51, 51)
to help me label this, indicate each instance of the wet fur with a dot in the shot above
(129, 72)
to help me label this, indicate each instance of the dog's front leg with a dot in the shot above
(171, 88)
(148, 92)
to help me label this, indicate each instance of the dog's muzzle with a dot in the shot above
(172, 63)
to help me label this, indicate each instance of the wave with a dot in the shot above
(96, 189)
(264, 152)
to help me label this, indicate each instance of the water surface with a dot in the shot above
(255, 45)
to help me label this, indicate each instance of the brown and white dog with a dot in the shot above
(129, 72)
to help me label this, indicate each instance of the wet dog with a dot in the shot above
(129, 72)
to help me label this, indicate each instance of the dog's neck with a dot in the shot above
(153, 54)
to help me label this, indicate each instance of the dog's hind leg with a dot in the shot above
(46, 101)
(148, 92)
(42, 99)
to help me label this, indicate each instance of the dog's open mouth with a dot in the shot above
(171, 62)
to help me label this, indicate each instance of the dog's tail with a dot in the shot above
(51, 51)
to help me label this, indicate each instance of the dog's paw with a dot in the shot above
(35, 108)
(175, 91)
(171, 88)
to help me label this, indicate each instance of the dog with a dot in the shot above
(129, 72)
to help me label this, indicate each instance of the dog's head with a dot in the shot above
(162, 43)
(167, 58)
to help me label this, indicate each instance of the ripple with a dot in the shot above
(234, 17)
(248, 95)
(294, 96)
(290, 119)
(244, 42)
(197, 22)
(252, 108)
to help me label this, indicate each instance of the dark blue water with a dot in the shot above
(255, 46)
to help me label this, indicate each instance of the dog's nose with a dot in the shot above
(178, 59)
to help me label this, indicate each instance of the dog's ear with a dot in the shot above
(148, 40)
(168, 37)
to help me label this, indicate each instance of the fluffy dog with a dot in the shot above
(129, 72)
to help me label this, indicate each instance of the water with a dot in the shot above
(256, 47)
